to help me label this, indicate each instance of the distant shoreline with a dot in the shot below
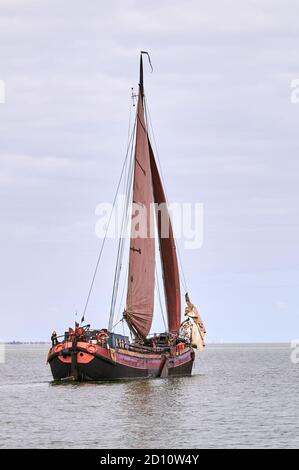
(26, 342)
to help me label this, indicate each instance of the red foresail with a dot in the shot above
(141, 277)
(168, 251)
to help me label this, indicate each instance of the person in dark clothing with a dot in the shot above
(54, 338)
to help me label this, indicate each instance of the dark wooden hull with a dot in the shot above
(78, 363)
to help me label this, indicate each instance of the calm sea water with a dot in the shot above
(239, 396)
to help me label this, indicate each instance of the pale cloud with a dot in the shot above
(17, 168)
(281, 306)
(227, 137)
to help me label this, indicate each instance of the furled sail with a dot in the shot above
(193, 329)
(141, 276)
(168, 251)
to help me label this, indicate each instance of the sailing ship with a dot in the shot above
(86, 354)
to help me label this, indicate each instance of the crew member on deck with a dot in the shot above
(54, 338)
(71, 334)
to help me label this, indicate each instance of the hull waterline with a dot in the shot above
(98, 364)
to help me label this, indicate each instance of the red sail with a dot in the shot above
(141, 278)
(168, 252)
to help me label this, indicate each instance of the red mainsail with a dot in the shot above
(148, 189)
(141, 278)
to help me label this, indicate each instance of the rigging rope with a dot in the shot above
(122, 294)
(121, 242)
(106, 232)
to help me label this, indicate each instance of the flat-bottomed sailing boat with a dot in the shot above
(86, 354)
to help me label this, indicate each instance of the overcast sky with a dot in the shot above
(227, 135)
